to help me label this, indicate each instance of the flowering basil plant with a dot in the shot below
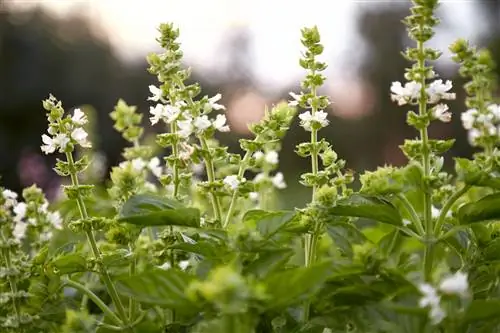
(193, 241)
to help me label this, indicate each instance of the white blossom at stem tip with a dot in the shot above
(233, 181)
(79, 118)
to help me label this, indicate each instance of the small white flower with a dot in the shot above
(212, 102)
(198, 168)
(279, 181)
(55, 219)
(435, 212)
(20, 211)
(468, 118)
(157, 112)
(183, 264)
(319, 117)
(80, 136)
(495, 111)
(202, 123)
(167, 113)
(185, 127)
(220, 123)
(254, 196)
(406, 222)
(19, 231)
(438, 90)
(484, 119)
(79, 118)
(429, 296)
(10, 198)
(154, 166)
(42, 209)
(165, 266)
(437, 314)
(272, 157)
(296, 99)
(233, 181)
(441, 112)
(456, 284)
(403, 95)
(258, 155)
(51, 144)
(138, 164)
(259, 177)
(156, 92)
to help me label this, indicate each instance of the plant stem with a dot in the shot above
(427, 199)
(132, 303)
(175, 152)
(93, 245)
(311, 240)
(209, 165)
(12, 281)
(413, 214)
(451, 200)
(87, 292)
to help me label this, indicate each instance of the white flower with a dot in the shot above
(212, 102)
(406, 222)
(468, 118)
(254, 196)
(43, 207)
(185, 127)
(154, 166)
(485, 119)
(157, 93)
(20, 211)
(296, 99)
(80, 136)
(51, 144)
(258, 155)
(55, 219)
(9, 197)
(435, 212)
(79, 118)
(431, 299)
(437, 314)
(279, 181)
(220, 123)
(167, 113)
(473, 135)
(438, 90)
(138, 164)
(198, 168)
(441, 112)
(157, 112)
(403, 95)
(202, 123)
(183, 264)
(233, 181)
(272, 157)
(456, 284)
(495, 110)
(165, 266)
(259, 177)
(319, 117)
(19, 231)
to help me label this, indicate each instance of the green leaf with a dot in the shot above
(203, 248)
(294, 285)
(268, 223)
(471, 173)
(70, 263)
(485, 209)
(268, 262)
(344, 235)
(481, 309)
(160, 287)
(369, 207)
(152, 210)
(241, 323)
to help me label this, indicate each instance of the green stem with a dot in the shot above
(132, 303)
(87, 292)
(241, 171)
(427, 199)
(175, 152)
(12, 281)
(447, 206)
(311, 240)
(209, 166)
(93, 245)
(413, 213)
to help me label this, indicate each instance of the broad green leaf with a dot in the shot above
(481, 309)
(151, 210)
(203, 248)
(369, 207)
(485, 209)
(294, 285)
(268, 262)
(344, 235)
(268, 223)
(70, 263)
(159, 287)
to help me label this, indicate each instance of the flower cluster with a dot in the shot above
(64, 134)
(455, 284)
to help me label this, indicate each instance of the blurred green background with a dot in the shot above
(72, 57)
